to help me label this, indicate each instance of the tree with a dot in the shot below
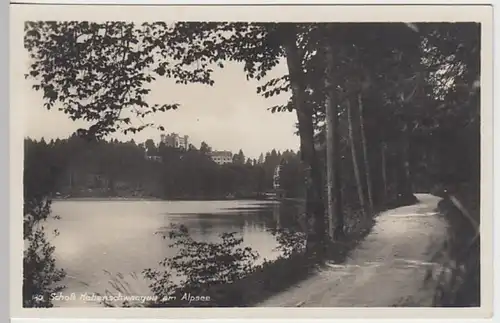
(314, 204)
(365, 154)
(383, 150)
(96, 72)
(352, 143)
(205, 148)
(448, 135)
(370, 65)
(261, 159)
(332, 150)
(239, 158)
(151, 148)
(291, 177)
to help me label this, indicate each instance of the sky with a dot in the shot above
(230, 115)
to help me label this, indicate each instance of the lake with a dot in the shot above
(100, 239)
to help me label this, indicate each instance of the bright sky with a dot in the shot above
(229, 115)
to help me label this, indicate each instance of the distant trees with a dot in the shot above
(111, 168)
(205, 148)
(261, 159)
(239, 158)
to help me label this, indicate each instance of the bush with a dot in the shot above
(223, 272)
(206, 263)
(41, 277)
(290, 242)
(200, 265)
(458, 284)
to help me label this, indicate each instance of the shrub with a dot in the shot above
(41, 277)
(458, 284)
(290, 242)
(208, 263)
(222, 270)
(200, 265)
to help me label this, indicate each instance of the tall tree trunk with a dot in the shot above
(316, 242)
(406, 161)
(330, 117)
(339, 233)
(333, 161)
(384, 171)
(405, 185)
(365, 154)
(352, 143)
(414, 60)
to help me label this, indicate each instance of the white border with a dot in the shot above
(254, 2)
(244, 13)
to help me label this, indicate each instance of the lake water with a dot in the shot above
(100, 239)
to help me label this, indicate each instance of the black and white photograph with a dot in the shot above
(190, 163)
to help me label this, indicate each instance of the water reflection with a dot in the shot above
(119, 236)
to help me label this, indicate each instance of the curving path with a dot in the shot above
(386, 269)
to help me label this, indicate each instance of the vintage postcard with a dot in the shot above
(212, 161)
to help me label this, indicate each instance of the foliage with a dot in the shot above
(113, 168)
(453, 159)
(458, 282)
(72, 60)
(200, 265)
(290, 242)
(41, 277)
(205, 263)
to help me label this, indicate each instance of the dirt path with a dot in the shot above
(387, 267)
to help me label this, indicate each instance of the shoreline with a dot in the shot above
(69, 199)
(152, 199)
